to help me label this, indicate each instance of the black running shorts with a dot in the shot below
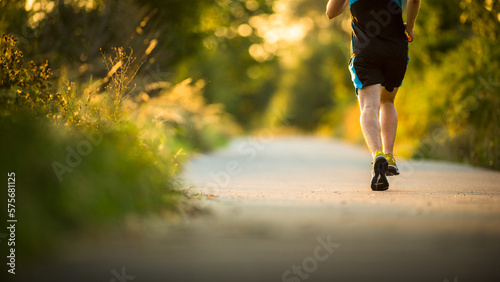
(388, 71)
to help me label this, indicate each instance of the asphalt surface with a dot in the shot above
(301, 209)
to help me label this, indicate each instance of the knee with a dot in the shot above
(370, 108)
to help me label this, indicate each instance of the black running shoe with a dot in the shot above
(379, 180)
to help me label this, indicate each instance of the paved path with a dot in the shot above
(300, 209)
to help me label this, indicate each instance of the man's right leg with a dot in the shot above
(369, 102)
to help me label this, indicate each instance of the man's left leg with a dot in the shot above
(388, 119)
(388, 126)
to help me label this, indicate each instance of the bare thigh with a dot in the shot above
(369, 97)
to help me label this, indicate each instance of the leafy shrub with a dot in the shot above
(24, 84)
(87, 158)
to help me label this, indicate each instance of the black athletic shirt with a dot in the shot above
(378, 29)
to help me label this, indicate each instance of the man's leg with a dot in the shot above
(369, 103)
(389, 125)
(388, 119)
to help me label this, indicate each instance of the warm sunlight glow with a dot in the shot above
(279, 31)
(152, 45)
(252, 5)
(245, 30)
(259, 53)
(29, 4)
(40, 8)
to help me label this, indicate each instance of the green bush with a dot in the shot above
(84, 160)
(67, 184)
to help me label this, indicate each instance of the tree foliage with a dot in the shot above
(261, 56)
(451, 94)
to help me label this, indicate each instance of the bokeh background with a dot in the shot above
(103, 100)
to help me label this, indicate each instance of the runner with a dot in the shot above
(378, 63)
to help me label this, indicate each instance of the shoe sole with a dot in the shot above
(392, 170)
(379, 180)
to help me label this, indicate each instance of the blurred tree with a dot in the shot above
(14, 19)
(72, 33)
(451, 96)
(438, 30)
(258, 56)
(311, 93)
(241, 80)
(313, 53)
